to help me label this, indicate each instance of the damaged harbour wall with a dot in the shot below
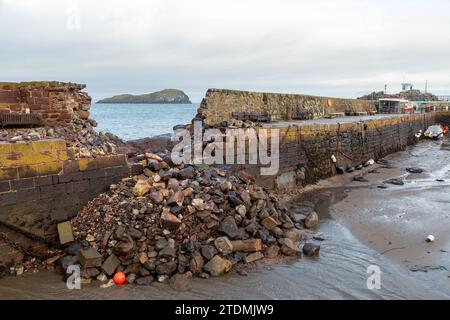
(219, 104)
(55, 103)
(305, 151)
(40, 185)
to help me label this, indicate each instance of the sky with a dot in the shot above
(343, 48)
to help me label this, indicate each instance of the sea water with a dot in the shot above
(135, 121)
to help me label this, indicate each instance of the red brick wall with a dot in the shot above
(55, 102)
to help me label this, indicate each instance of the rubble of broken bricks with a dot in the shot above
(174, 222)
(81, 138)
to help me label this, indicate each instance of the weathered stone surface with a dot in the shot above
(252, 257)
(250, 245)
(157, 197)
(110, 265)
(90, 258)
(208, 251)
(181, 282)
(65, 232)
(144, 281)
(312, 220)
(170, 221)
(289, 248)
(224, 245)
(311, 250)
(125, 245)
(229, 227)
(218, 266)
(272, 252)
(176, 199)
(196, 263)
(141, 188)
(269, 223)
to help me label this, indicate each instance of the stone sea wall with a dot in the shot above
(219, 104)
(40, 185)
(56, 103)
(306, 150)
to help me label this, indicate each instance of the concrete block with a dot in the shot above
(65, 232)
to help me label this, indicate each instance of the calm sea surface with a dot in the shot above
(135, 121)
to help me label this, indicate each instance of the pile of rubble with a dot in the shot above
(82, 140)
(176, 221)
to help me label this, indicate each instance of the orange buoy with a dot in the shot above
(119, 278)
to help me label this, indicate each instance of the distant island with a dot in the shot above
(164, 96)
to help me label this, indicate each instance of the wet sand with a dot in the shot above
(396, 220)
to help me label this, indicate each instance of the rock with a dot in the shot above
(289, 248)
(258, 195)
(294, 234)
(208, 251)
(102, 277)
(170, 221)
(153, 156)
(250, 245)
(186, 173)
(144, 281)
(198, 204)
(252, 257)
(312, 220)
(225, 186)
(181, 282)
(161, 243)
(120, 230)
(414, 170)
(298, 217)
(141, 188)
(90, 258)
(241, 210)
(223, 245)
(134, 233)
(109, 284)
(395, 181)
(167, 268)
(125, 245)
(269, 223)
(245, 177)
(245, 196)
(176, 199)
(89, 273)
(143, 257)
(168, 252)
(217, 266)
(350, 169)
(110, 265)
(272, 252)
(65, 232)
(229, 227)
(131, 278)
(340, 170)
(310, 249)
(196, 263)
(156, 197)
